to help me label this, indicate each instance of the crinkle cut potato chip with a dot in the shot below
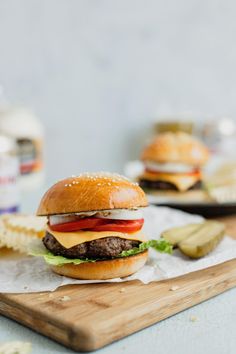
(21, 232)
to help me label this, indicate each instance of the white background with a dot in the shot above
(98, 73)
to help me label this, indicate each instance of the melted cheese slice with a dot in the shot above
(182, 181)
(71, 239)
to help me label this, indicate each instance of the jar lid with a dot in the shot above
(19, 122)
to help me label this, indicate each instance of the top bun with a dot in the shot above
(90, 192)
(176, 147)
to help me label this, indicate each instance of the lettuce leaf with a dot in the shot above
(51, 259)
(159, 245)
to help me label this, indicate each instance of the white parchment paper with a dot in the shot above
(33, 275)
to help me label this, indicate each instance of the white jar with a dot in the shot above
(22, 125)
(9, 173)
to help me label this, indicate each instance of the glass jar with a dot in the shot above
(9, 176)
(25, 128)
(173, 125)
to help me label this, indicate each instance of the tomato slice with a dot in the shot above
(98, 224)
(120, 226)
(82, 224)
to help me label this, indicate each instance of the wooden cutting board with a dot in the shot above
(87, 317)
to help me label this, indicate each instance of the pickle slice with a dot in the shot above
(177, 234)
(203, 240)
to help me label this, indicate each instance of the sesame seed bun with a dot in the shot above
(178, 148)
(101, 270)
(89, 192)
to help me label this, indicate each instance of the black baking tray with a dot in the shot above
(207, 210)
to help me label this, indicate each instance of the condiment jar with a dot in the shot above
(22, 125)
(9, 173)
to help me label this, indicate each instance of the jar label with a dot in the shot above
(30, 155)
(9, 189)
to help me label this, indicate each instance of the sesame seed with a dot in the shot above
(106, 176)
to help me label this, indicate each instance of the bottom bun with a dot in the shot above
(102, 270)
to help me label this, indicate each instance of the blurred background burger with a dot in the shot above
(173, 165)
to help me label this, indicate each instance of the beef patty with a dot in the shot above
(108, 247)
(165, 186)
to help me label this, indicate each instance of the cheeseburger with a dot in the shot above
(95, 227)
(173, 163)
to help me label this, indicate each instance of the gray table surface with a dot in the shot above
(213, 330)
